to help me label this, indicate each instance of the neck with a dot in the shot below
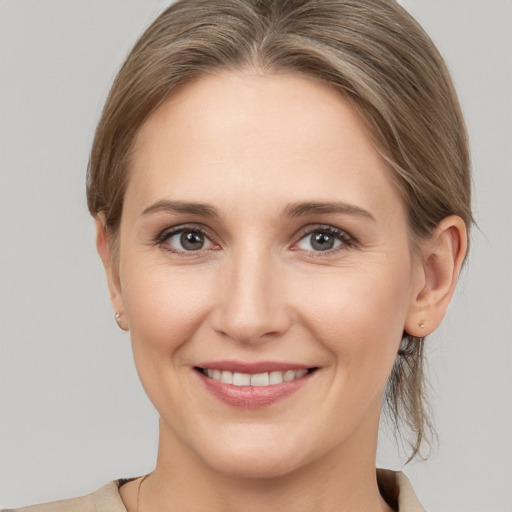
(343, 480)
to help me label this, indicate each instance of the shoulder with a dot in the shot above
(105, 499)
(396, 489)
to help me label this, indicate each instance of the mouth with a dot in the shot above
(249, 386)
(262, 379)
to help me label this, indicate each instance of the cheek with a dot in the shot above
(358, 314)
(164, 305)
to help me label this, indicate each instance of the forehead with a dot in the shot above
(261, 135)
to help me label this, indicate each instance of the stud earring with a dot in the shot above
(421, 324)
(117, 316)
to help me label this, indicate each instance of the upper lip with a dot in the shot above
(252, 368)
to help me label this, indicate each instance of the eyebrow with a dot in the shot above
(298, 209)
(191, 208)
(302, 209)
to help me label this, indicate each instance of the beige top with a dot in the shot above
(394, 487)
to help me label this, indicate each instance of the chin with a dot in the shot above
(254, 464)
(242, 455)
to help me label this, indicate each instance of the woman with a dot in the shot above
(282, 197)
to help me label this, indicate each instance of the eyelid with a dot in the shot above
(347, 240)
(168, 232)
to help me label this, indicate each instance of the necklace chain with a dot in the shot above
(138, 490)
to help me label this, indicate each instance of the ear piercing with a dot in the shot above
(117, 316)
(421, 324)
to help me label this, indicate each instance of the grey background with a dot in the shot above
(72, 413)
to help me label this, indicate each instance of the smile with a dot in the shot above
(249, 386)
(254, 379)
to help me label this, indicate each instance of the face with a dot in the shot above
(264, 272)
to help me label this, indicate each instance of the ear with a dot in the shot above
(104, 247)
(441, 260)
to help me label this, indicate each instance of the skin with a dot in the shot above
(251, 147)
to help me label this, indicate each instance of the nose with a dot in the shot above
(251, 306)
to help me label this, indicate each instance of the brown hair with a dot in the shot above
(372, 51)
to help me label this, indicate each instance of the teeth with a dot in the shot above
(241, 379)
(275, 377)
(260, 379)
(257, 379)
(300, 373)
(288, 376)
(226, 377)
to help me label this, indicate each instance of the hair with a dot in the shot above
(372, 51)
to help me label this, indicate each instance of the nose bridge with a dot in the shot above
(252, 305)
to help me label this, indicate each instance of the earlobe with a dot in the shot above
(442, 258)
(104, 247)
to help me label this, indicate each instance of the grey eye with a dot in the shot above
(319, 241)
(189, 240)
(192, 241)
(322, 241)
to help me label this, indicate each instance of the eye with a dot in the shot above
(185, 240)
(324, 239)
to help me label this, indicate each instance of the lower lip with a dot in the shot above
(252, 397)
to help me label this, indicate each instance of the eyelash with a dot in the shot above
(164, 236)
(346, 240)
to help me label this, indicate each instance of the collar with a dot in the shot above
(394, 487)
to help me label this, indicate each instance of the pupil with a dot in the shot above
(192, 241)
(322, 242)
